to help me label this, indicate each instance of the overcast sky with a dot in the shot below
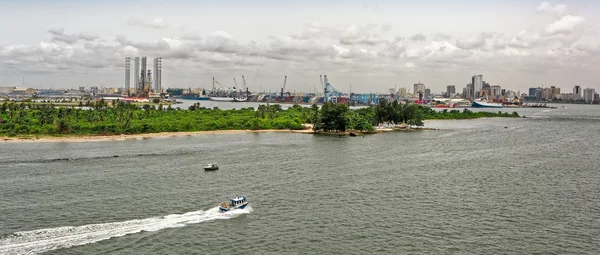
(373, 45)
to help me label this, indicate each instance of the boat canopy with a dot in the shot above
(237, 199)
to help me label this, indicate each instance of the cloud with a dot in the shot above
(564, 25)
(156, 23)
(386, 27)
(346, 35)
(59, 35)
(476, 42)
(546, 7)
(418, 37)
(409, 65)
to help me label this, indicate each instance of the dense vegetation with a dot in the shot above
(124, 118)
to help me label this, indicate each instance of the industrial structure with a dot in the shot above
(146, 82)
(127, 73)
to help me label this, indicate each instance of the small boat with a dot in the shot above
(234, 203)
(211, 166)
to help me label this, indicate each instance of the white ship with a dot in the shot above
(226, 95)
(482, 103)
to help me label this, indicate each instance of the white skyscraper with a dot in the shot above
(588, 95)
(136, 73)
(127, 73)
(477, 81)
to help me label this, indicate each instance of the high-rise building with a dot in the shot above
(136, 74)
(142, 76)
(495, 91)
(477, 81)
(588, 95)
(157, 75)
(127, 73)
(532, 92)
(450, 90)
(577, 92)
(419, 88)
(427, 93)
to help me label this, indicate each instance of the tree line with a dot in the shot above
(102, 117)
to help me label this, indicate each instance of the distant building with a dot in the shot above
(450, 90)
(127, 73)
(495, 91)
(468, 91)
(136, 73)
(554, 92)
(427, 93)
(532, 91)
(477, 81)
(143, 77)
(6, 90)
(577, 92)
(157, 75)
(588, 95)
(419, 88)
(391, 91)
(23, 91)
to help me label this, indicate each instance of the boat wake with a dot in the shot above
(43, 240)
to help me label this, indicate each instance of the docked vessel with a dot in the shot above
(485, 104)
(226, 94)
(211, 167)
(234, 203)
(194, 97)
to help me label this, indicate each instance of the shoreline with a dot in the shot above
(124, 137)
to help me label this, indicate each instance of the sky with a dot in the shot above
(362, 46)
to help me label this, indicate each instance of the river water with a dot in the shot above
(486, 186)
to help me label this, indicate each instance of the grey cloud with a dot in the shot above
(59, 35)
(418, 37)
(346, 35)
(364, 35)
(394, 49)
(156, 23)
(441, 37)
(472, 43)
(386, 27)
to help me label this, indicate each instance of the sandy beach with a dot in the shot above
(122, 137)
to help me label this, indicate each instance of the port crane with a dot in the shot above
(282, 88)
(245, 87)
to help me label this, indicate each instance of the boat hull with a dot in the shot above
(229, 99)
(211, 168)
(195, 98)
(222, 99)
(227, 209)
(477, 104)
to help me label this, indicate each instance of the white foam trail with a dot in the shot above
(42, 240)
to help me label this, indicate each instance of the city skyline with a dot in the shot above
(373, 45)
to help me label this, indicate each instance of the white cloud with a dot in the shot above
(409, 65)
(546, 7)
(564, 25)
(157, 23)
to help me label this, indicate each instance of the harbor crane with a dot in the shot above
(245, 87)
(282, 88)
